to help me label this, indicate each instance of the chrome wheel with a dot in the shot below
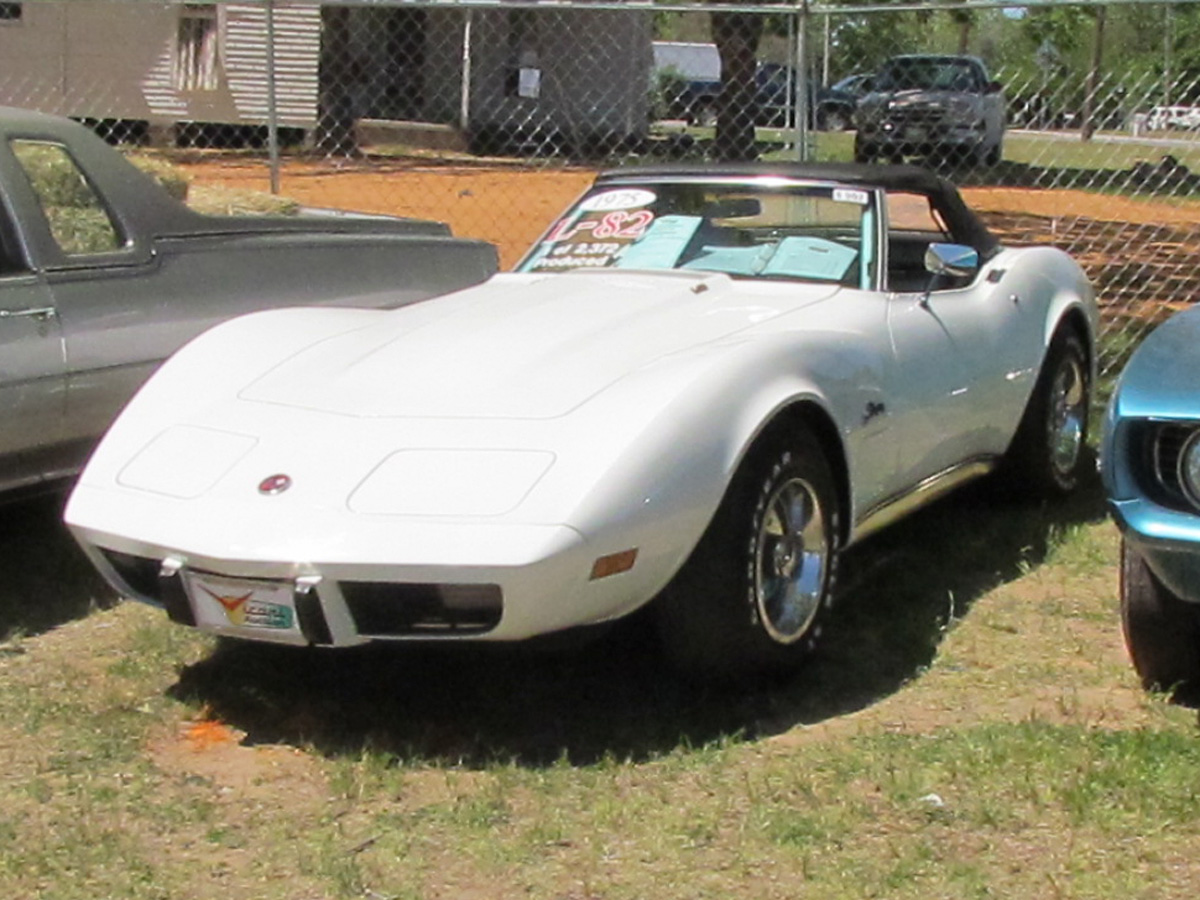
(753, 594)
(1049, 452)
(790, 561)
(1068, 414)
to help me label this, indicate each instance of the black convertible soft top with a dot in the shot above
(964, 225)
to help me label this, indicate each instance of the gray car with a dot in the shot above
(936, 107)
(103, 275)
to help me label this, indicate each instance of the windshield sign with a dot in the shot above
(804, 232)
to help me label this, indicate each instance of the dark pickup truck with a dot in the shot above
(936, 106)
(831, 108)
(103, 275)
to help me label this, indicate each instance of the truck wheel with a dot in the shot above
(751, 597)
(835, 120)
(704, 114)
(1162, 632)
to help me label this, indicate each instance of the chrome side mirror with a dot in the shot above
(952, 260)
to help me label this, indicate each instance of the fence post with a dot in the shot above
(272, 101)
(802, 92)
(464, 113)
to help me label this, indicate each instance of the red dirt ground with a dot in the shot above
(1138, 253)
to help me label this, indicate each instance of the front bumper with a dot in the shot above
(918, 137)
(338, 579)
(1169, 542)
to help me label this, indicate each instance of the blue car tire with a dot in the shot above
(1162, 632)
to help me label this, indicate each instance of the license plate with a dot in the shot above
(915, 134)
(241, 604)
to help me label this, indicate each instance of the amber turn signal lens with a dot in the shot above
(614, 564)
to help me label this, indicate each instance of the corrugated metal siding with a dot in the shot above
(162, 101)
(297, 55)
(113, 59)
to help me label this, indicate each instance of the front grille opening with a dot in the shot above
(395, 610)
(1166, 451)
(139, 573)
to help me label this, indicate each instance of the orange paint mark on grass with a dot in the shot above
(206, 733)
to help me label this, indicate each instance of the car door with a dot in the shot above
(955, 364)
(32, 380)
(31, 362)
(960, 354)
(91, 267)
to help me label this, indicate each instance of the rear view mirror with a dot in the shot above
(733, 208)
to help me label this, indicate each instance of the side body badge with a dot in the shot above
(274, 484)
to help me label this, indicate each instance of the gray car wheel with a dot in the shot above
(704, 114)
(1162, 632)
(835, 120)
(752, 595)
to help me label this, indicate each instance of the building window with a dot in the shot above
(10, 12)
(196, 48)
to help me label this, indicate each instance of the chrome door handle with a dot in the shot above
(40, 312)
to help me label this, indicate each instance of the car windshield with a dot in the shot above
(851, 84)
(770, 228)
(916, 73)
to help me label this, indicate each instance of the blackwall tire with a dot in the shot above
(705, 115)
(1162, 632)
(1049, 451)
(836, 120)
(752, 597)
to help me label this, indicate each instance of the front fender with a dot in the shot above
(1071, 296)
(700, 417)
(211, 369)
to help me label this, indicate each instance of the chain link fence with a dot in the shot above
(1077, 125)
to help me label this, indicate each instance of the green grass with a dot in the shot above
(1060, 159)
(969, 729)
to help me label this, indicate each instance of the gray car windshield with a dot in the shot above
(790, 231)
(918, 74)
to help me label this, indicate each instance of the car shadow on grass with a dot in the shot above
(47, 579)
(615, 696)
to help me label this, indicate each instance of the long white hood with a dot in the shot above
(519, 347)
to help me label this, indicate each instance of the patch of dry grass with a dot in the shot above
(970, 729)
(217, 200)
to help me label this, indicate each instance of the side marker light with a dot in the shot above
(614, 564)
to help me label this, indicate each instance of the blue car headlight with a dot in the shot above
(1164, 461)
(1189, 468)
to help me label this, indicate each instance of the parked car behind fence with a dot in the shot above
(932, 106)
(697, 100)
(1181, 117)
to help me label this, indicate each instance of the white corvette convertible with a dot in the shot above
(696, 389)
